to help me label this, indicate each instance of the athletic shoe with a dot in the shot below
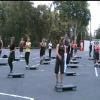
(27, 66)
(96, 63)
(61, 85)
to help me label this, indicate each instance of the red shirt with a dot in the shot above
(96, 48)
(74, 45)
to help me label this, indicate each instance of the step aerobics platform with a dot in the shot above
(65, 88)
(73, 59)
(78, 57)
(53, 57)
(98, 66)
(72, 65)
(74, 62)
(32, 68)
(3, 64)
(70, 73)
(16, 59)
(16, 75)
(47, 59)
(45, 63)
(91, 59)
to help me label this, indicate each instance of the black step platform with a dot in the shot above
(98, 66)
(47, 59)
(91, 59)
(3, 64)
(32, 68)
(16, 59)
(45, 62)
(16, 75)
(77, 57)
(53, 57)
(70, 74)
(99, 61)
(22, 57)
(65, 88)
(72, 65)
(74, 62)
(73, 59)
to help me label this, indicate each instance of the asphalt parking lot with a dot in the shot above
(39, 84)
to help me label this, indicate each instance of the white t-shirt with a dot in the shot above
(50, 45)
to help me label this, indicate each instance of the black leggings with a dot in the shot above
(71, 54)
(90, 52)
(10, 60)
(96, 55)
(0, 52)
(42, 52)
(50, 53)
(68, 58)
(59, 66)
(27, 54)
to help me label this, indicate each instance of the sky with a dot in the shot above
(94, 7)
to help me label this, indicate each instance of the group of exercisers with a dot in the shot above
(23, 45)
(64, 46)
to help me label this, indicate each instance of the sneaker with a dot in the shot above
(57, 84)
(27, 66)
(41, 61)
(10, 72)
(96, 63)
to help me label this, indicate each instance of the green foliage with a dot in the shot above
(97, 33)
(76, 13)
(21, 18)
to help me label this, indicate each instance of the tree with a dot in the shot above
(19, 16)
(97, 33)
(76, 13)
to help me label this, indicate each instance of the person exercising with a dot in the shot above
(50, 48)
(90, 49)
(1, 45)
(21, 47)
(68, 50)
(27, 51)
(96, 49)
(42, 50)
(59, 66)
(12, 54)
(74, 48)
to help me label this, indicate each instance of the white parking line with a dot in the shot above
(17, 96)
(35, 65)
(35, 57)
(96, 73)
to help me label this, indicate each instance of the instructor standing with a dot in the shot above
(59, 66)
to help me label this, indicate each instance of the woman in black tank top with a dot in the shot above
(60, 50)
(42, 50)
(12, 54)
